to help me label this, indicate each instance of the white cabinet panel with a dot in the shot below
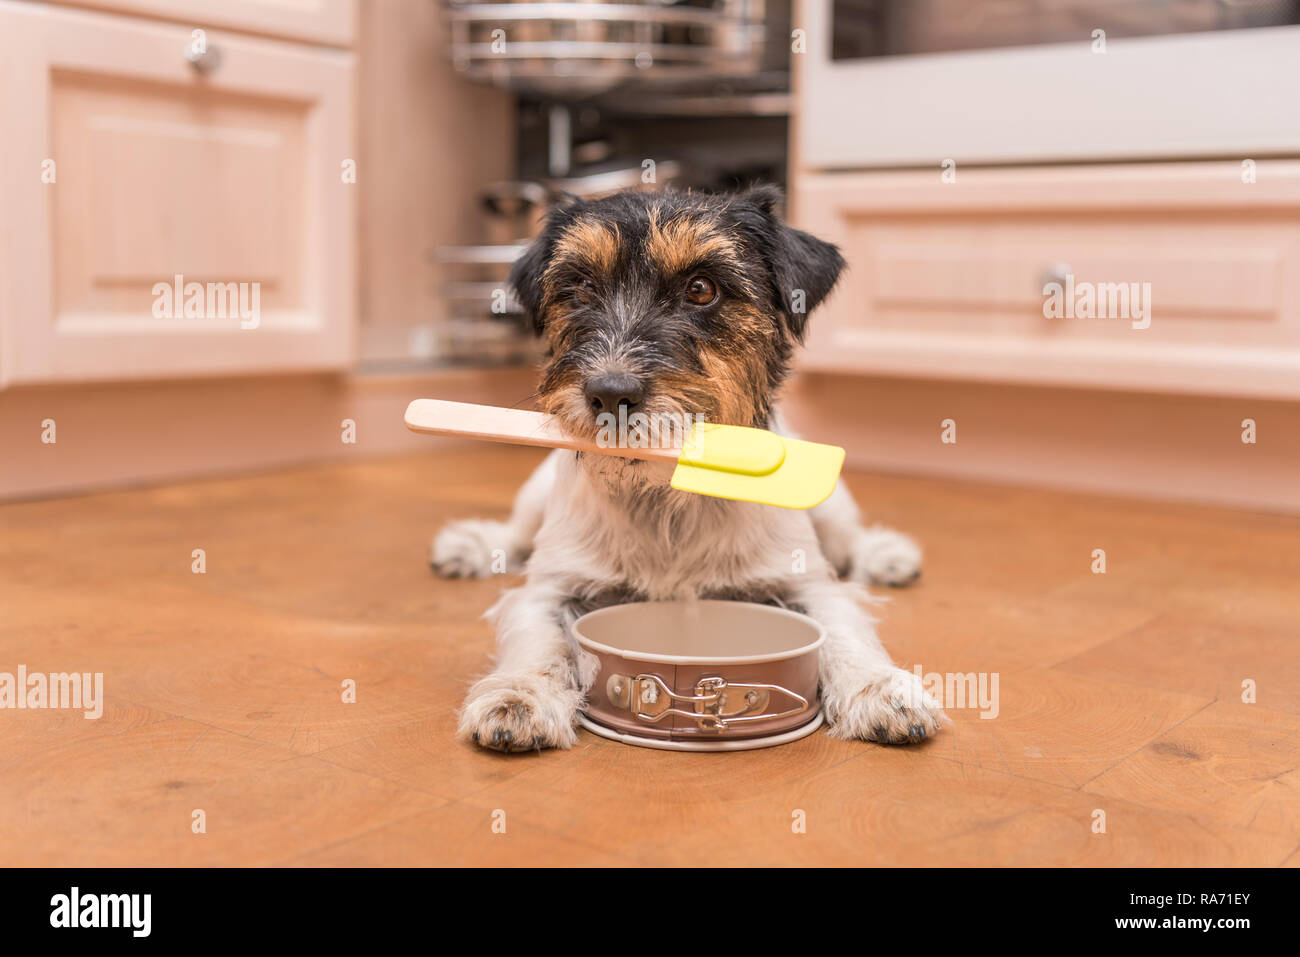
(1194, 276)
(126, 167)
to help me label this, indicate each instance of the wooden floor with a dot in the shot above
(1119, 693)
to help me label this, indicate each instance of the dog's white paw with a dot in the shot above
(520, 712)
(893, 708)
(882, 556)
(472, 548)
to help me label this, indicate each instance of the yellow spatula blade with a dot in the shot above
(752, 465)
(732, 448)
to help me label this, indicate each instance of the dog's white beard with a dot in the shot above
(621, 478)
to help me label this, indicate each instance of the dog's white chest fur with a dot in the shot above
(611, 527)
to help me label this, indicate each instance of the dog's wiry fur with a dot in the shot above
(606, 284)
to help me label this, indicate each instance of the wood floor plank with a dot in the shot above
(880, 811)
(425, 756)
(1118, 692)
(31, 732)
(1211, 658)
(130, 799)
(1063, 729)
(463, 836)
(1200, 769)
(949, 626)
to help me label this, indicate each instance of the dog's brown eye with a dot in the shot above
(701, 291)
(585, 291)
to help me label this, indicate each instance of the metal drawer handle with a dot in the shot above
(718, 703)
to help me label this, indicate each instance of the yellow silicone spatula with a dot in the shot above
(724, 461)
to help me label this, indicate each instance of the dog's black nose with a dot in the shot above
(606, 392)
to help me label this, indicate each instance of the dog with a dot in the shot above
(672, 304)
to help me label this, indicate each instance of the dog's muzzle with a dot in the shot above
(701, 675)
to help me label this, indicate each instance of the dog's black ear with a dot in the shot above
(804, 269)
(527, 271)
(526, 279)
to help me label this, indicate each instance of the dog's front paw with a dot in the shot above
(893, 708)
(471, 548)
(520, 712)
(882, 556)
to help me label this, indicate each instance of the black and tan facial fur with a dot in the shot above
(671, 302)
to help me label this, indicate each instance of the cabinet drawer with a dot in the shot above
(330, 22)
(1176, 277)
(125, 168)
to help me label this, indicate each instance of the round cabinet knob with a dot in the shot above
(1055, 272)
(204, 61)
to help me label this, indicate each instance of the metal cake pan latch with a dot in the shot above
(716, 704)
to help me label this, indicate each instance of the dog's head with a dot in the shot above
(673, 304)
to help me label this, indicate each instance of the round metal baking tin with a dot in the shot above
(701, 675)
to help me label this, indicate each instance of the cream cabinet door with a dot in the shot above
(1181, 277)
(129, 173)
(332, 22)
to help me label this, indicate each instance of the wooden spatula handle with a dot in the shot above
(514, 426)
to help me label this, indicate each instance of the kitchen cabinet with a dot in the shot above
(1193, 270)
(132, 160)
(1154, 179)
(331, 22)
